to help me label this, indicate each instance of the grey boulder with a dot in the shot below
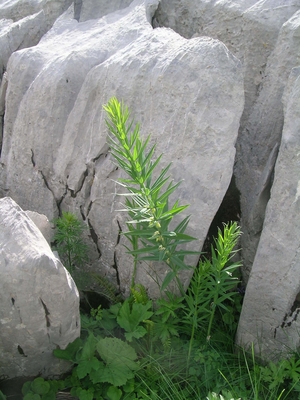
(39, 302)
(272, 323)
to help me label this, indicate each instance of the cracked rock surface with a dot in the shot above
(206, 79)
(277, 260)
(39, 299)
(187, 93)
(264, 36)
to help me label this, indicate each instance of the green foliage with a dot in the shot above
(98, 362)
(139, 294)
(167, 319)
(276, 374)
(147, 198)
(69, 242)
(105, 288)
(182, 346)
(131, 318)
(224, 396)
(40, 389)
(212, 286)
(119, 358)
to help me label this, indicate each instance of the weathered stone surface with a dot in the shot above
(18, 35)
(92, 9)
(251, 29)
(17, 10)
(44, 225)
(39, 302)
(187, 93)
(258, 143)
(54, 81)
(271, 323)
(24, 23)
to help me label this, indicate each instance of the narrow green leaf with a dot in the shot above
(143, 250)
(168, 278)
(153, 165)
(171, 213)
(168, 192)
(157, 183)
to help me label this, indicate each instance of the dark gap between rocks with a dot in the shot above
(229, 210)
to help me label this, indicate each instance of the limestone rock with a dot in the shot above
(257, 145)
(272, 323)
(44, 225)
(20, 34)
(17, 10)
(24, 23)
(39, 302)
(54, 82)
(187, 93)
(258, 34)
(249, 28)
(94, 9)
(191, 133)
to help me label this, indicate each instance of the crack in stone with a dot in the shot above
(119, 232)
(89, 208)
(46, 183)
(47, 313)
(115, 267)
(3, 89)
(21, 351)
(94, 236)
(81, 183)
(101, 153)
(290, 317)
(32, 158)
(82, 212)
(58, 202)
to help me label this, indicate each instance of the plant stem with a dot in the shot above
(213, 306)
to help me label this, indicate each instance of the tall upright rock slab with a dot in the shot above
(259, 141)
(272, 323)
(263, 36)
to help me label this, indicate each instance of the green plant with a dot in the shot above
(221, 280)
(182, 346)
(40, 389)
(106, 289)
(131, 318)
(212, 285)
(277, 374)
(69, 241)
(224, 396)
(102, 367)
(147, 199)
